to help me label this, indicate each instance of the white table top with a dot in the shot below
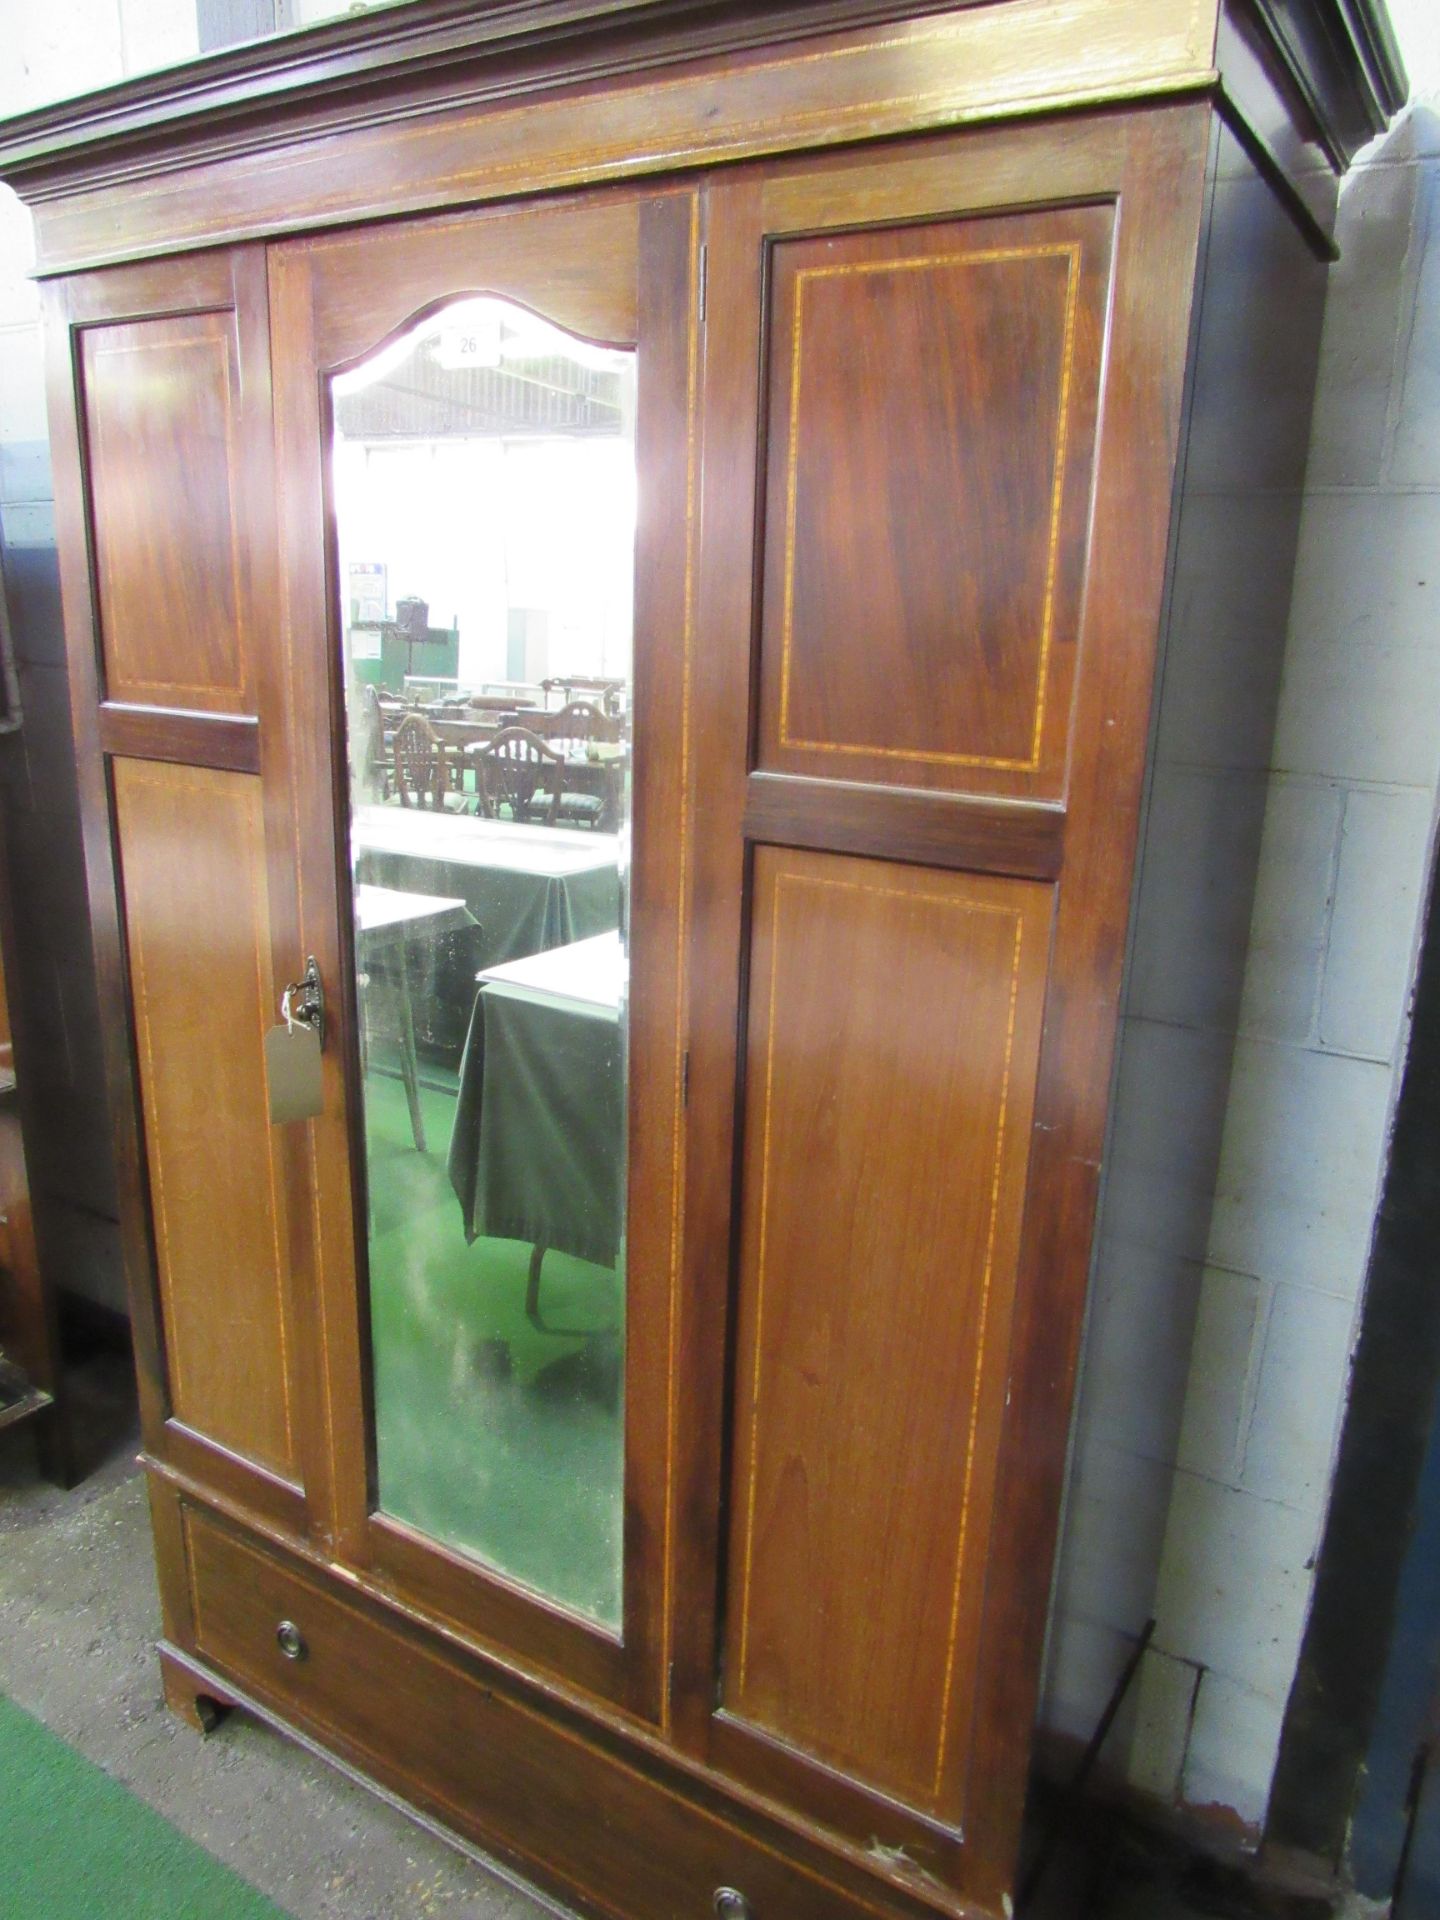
(591, 972)
(379, 909)
(462, 840)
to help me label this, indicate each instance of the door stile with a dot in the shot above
(309, 809)
(729, 395)
(101, 867)
(668, 463)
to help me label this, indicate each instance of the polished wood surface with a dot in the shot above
(582, 253)
(1257, 98)
(850, 1355)
(190, 739)
(215, 283)
(893, 1032)
(159, 401)
(925, 538)
(566, 1805)
(441, 41)
(937, 830)
(1153, 164)
(634, 113)
(193, 871)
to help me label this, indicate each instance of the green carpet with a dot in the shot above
(76, 1845)
(497, 1439)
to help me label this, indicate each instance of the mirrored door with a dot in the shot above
(484, 485)
(504, 573)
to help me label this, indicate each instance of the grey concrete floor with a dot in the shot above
(78, 1619)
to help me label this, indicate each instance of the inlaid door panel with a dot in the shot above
(894, 1028)
(930, 419)
(160, 407)
(197, 934)
(943, 387)
(160, 418)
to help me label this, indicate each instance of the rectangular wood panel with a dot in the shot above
(932, 407)
(192, 862)
(893, 1036)
(160, 401)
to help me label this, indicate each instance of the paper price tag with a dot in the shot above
(292, 1073)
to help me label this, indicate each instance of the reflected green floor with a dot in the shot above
(490, 1435)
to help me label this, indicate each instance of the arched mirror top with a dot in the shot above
(483, 366)
(475, 329)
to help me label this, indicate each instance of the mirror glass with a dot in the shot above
(484, 486)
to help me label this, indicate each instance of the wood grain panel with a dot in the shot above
(193, 739)
(931, 829)
(933, 393)
(576, 262)
(159, 408)
(894, 1029)
(192, 862)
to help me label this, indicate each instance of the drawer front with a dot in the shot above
(535, 1793)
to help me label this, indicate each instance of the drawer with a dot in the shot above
(572, 1815)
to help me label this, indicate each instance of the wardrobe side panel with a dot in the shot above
(1261, 300)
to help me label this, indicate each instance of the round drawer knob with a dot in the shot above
(730, 1905)
(290, 1640)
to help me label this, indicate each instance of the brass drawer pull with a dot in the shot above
(290, 1640)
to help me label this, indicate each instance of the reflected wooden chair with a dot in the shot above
(519, 770)
(579, 720)
(419, 766)
(594, 781)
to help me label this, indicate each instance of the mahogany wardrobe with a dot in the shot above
(620, 1403)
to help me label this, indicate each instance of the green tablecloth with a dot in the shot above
(537, 1151)
(527, 888)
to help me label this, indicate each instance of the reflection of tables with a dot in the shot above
(389, 925)
(537, 1152)
(528, 888)
(387, 917)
